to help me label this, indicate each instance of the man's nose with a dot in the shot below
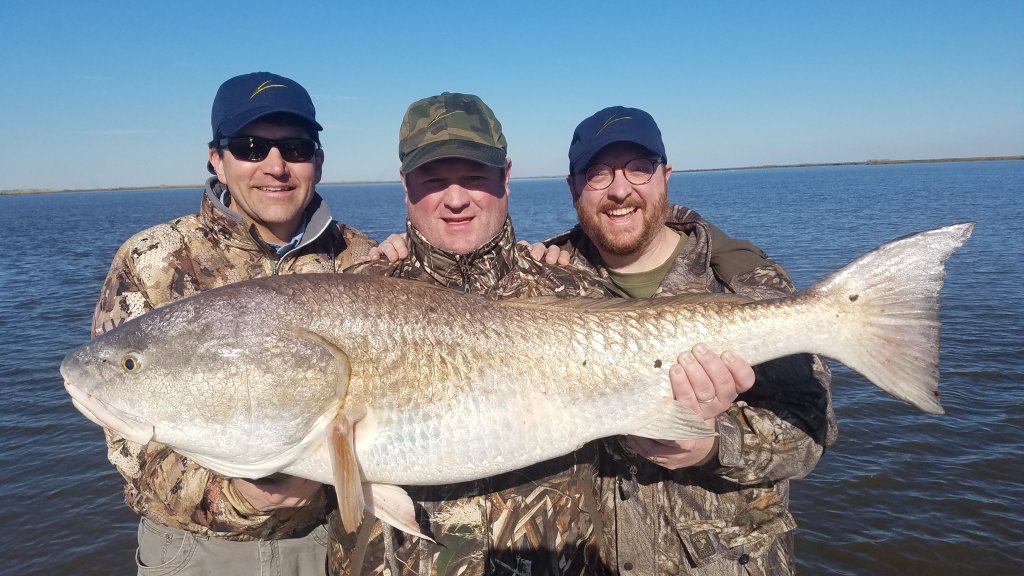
(456, 197)
(620, 188)
(274, 164)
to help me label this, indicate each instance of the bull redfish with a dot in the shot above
(368, 383)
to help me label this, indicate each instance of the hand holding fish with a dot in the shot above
(707, 384)
(279, 491)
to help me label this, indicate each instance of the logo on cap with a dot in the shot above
(440, 116)
(611, 121)
(265, 86)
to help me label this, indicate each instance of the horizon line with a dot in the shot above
(873, 162)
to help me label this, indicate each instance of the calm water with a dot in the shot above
(901, 493)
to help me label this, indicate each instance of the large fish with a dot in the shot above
(368, 383)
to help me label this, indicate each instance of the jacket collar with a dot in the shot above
(477, 272)
(232, 228)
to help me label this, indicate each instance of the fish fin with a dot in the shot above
(393, 505)
(344, 363)
(345, 467)
(675, 422)
(887, 322)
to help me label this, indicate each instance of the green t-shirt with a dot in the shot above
(646, 284)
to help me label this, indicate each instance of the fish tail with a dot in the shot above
(884, 310)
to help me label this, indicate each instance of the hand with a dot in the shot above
(547, 254)
(279, 491)
(708, 384)
(393, 248)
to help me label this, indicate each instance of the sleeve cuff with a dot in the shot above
(730, 440)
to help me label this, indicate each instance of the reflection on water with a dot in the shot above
(902, 492)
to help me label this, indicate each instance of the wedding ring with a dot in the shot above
(708, 401)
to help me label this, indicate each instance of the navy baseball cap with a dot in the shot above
(614, 124)
(243, 99)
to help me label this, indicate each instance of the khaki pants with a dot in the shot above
(165, 551)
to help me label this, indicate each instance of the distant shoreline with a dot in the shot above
(759, 167)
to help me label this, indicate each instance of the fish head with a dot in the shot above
(221, 383)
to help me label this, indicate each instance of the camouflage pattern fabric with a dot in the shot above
(536, 521)
(183, 257)
(499, 269)
(730, 516)
(450, 125)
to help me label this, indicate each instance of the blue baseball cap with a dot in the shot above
(613, 124)
(243, 99)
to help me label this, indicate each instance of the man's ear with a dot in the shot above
(570, 182)
(215, 160)
(508, 175)
(318, 165)
(405, 189)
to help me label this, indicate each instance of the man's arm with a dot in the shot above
(779, 427)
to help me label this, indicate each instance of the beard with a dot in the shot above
(620, 243)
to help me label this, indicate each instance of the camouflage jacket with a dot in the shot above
(730, 515)
(173, 260)
(538, 520)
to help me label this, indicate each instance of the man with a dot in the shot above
(713, 506)
(540, 520)
(260, 215)
(455, 173)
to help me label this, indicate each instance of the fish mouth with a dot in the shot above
(131, 427)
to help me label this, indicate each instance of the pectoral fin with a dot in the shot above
(344, 364)
(345, 467)
(675, 422)
(392, 505)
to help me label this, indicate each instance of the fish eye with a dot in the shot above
(131, 362)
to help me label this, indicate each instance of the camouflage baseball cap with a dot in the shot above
(450, 125)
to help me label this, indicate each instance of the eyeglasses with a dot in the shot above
(637, 171)
(255, 148)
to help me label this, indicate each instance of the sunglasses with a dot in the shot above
(255, 148)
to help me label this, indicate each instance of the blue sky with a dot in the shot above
(104, 94)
